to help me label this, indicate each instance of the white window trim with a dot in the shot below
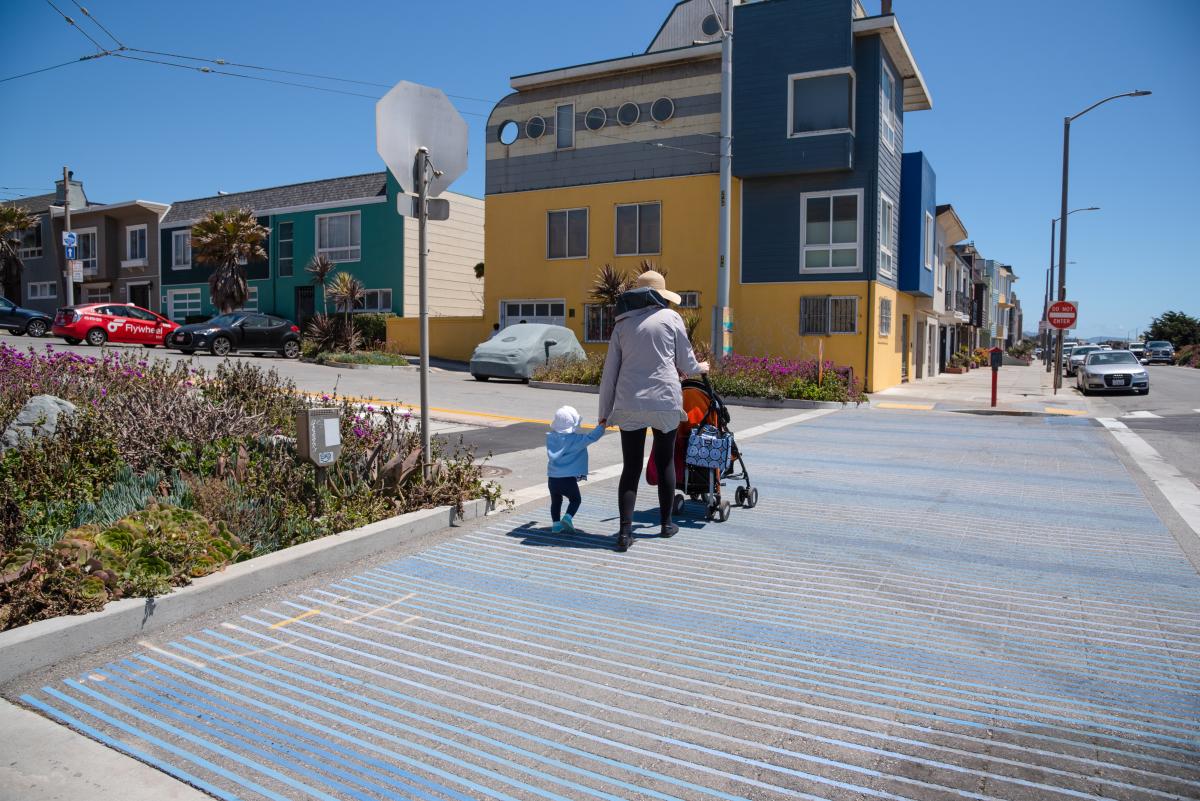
(129, 261)
(571, 146)
(683, 293)
(891, 307)
(377, 309)
(279, 240)
(820, 74)
(804, 198)
(886, 247)
(551, 301)
(318, 250)
(929, 241)
(587, 233)
(80, 233)
(888, 113)
(174, 243)
(32, 253)
(50, 290)
(639, 251)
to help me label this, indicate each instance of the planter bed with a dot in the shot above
(764, 403)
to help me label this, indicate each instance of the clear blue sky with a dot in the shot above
(1002, 76)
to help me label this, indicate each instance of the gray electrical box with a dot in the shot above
(319, 436)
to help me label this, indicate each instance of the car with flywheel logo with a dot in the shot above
(101, 323)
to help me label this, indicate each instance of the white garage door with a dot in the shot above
(552, 311)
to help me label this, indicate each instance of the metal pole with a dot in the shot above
(1062, 247)
(423, 255)
(1046, 307)
(69, 282)
(720, 340)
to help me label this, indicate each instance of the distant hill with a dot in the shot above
(1115, 338)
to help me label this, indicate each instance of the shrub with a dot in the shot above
(572, 371)
(331, 334)
(372, 328)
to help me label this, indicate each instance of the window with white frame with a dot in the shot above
(821, 102)
(375, 300)
(887, 235)
(135, 244)
(96, 294)
(887, 107)
(930, 240)
(821, 315)
(567, 234)
(43, 290)
(284, 249)
(339, 236)
(689, 300)
(831, 223)
(181, 249)
(598, 322)
(885, 317)
(639, 229)
(183, 303)
(31, 242)
(85, 243)
(564, 126)
(251, 303)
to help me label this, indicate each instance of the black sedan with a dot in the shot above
(23, 321)
(240, 331)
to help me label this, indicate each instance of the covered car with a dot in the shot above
(240, 331)
(1117, 370)
(518, 350)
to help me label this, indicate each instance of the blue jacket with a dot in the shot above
(567, 453)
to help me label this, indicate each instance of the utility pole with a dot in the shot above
(722, 314)
(70, 280)
(1046, 356)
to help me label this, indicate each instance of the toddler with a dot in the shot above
(566, 451)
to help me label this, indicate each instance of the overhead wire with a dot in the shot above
(88, 57)
(99, 47)
(100, 24)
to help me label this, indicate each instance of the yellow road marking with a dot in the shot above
(919, 407)
(463, 412)
(1072, 412)
(300, 616)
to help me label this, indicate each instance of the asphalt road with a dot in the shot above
(913, 611)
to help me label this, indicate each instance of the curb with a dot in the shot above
(47, 642)
(762, 403)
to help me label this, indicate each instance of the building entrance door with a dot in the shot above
(139, 295)
(306, 304)
(904, 348)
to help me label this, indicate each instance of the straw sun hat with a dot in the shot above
(654, 280)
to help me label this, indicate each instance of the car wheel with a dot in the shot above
(36, 328)
(291, 349)
(71, 340)
(221, 346)
(96, 337)
(478, 377)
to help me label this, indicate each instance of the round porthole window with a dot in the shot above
(628, 114)
(508, 132)
(595, 119)
(535, 127)
(663, 109)
(711, 26)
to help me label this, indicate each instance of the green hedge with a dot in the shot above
(373, 328)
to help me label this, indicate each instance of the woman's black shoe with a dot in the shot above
(669, 529)
(624, 540)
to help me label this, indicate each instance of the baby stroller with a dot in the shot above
(704, 407)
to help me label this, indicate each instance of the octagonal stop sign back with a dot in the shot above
(411, 116)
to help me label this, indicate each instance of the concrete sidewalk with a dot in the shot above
(1020, 389)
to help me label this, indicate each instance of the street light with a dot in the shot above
(1050, 285)
(1062, 238)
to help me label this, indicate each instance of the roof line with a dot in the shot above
(532, 80)
(283, 186)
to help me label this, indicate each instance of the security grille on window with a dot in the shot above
(135, 243)
(639, 228)
(887, 254)
(823, 315)
(821, 102)
(375, 300)
(31, 243)
(564, 126)
(339, 236)
(43, 290)
(283, 249)
(181, 250)
(567, 233)
(689, 300)
(598, 322)
(831, 231)
(885, 317)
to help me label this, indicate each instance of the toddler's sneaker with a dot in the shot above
(568, 524)
(557, 527)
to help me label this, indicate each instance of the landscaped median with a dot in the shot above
(123, 478)
(748, 380)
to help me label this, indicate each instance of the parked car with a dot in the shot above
(1117, 370)
(1159, 350)
(1078, 354)
(23, 321)
(240, 331)
(98, 323)
(1138, 349)
(518, 350)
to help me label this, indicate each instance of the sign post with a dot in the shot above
(417, 127)
(1062, 315)
(997, 359)
(69, 237)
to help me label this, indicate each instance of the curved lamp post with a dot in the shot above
(1050, 285)
(1062, 239)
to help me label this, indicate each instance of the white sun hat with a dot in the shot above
(566, 420)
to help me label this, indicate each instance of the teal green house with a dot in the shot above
(352, 220)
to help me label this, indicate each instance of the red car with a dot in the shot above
(98, 323)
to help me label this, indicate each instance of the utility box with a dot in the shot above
(997, 357)
(319, 436)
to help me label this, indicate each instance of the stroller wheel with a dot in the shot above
(677, 504)
(710, 511)
(723, 511)
(739, 496)
(751, 498)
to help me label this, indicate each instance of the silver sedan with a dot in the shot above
(1116, 370)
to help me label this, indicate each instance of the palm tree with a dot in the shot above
(346, 292)
(14, 220)
(609, 285)
(319, 268)
(228, 240)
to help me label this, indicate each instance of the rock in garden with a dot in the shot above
(38, 418)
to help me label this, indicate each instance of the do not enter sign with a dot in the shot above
(1063, 314)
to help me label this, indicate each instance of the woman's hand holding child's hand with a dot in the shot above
(703, 367)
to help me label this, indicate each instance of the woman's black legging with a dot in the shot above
(633, 450)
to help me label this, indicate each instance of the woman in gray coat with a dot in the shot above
(640, 389)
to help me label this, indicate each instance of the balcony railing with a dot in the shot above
(949, 300)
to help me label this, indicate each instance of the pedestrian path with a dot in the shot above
(912, 612)
(1027, 389)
